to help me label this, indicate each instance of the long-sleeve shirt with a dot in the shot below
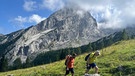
(91, 58)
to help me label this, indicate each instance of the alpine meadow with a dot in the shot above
(115, 60)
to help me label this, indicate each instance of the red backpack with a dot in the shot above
(67, 58)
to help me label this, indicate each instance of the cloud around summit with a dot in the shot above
(108, 13)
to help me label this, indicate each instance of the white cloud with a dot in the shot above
(20, 21)
(53, 4)
(36, 18)
(109, 13)
(30, 5)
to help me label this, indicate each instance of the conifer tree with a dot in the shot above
(124, 35)
(17, 64)
(3, 64)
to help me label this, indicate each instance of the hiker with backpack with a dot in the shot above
(90, 61)
(69, 62)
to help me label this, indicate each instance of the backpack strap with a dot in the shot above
(69, 58)
(92, 56)
(89, 58)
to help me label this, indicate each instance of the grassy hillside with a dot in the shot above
(120, 54)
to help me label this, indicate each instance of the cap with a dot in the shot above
(97, 52)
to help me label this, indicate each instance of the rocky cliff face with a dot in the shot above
(68, 27)
(130, 31)
(1, 38)
(1, 34)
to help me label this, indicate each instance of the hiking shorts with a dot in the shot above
(69, 70)
(89, 66)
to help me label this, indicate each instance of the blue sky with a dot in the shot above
(20, 14)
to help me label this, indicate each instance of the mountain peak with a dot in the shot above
(70, 12)
(67, 14)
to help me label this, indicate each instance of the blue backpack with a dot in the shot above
(87, 56)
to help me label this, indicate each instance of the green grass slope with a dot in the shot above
(116, 60)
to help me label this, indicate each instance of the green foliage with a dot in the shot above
(124, 35)
(27, 64)
(3, 64)
(52, 56)
(17, 64)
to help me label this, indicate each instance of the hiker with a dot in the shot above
(70, 64)
(91, 62)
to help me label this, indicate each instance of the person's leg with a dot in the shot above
(87, 69)
(67, 72)
(96, 69)
(72, 74)
(95, 66)
(72, 71)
